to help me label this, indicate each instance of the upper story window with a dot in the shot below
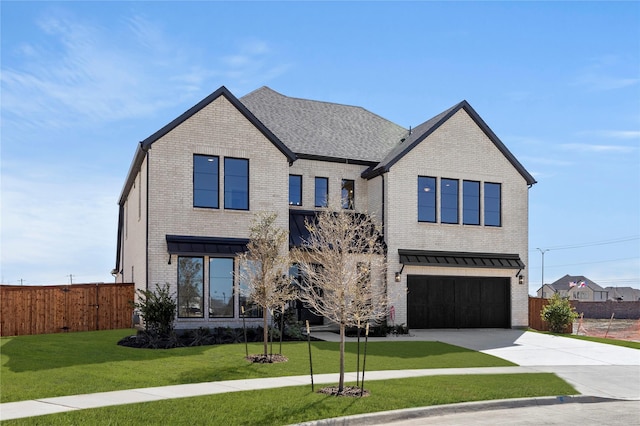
(427, 195)
(236, 183)
(470, 202)
(322, 192)
(449, 200)
(295, 190)
(205, 181)
(492, 204)
(348, 194)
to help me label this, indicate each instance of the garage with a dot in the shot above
(458, 302)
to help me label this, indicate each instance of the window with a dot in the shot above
(205, 181)
(251, 310)
(470, 202)
(190, 287)
(492, 204)
(295, 190)
(426, 199)
(221, 288)
(348, 194)
(322, 192)
(449, 201)
(236, 184)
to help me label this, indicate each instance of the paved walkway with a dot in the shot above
(597, 371)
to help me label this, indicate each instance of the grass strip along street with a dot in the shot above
(75, 363)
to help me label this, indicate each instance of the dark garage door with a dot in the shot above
(458, 302)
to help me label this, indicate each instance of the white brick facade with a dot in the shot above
(158, 199)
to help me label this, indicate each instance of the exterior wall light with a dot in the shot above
(520, 279)
(398, 278)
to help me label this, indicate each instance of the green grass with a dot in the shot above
(75, 363)
(299, 404)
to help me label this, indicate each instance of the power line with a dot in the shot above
(595, 243)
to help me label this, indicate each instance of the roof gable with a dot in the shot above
(222, 91)
(422, 131)
(564, 283)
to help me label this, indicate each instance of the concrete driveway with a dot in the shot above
(594, 369)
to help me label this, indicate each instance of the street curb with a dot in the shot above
(441, 410)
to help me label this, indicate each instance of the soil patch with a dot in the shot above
(621, 329)
(350, 391)
(266, 359)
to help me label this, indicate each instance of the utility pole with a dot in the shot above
(542, 252)
(70, 278)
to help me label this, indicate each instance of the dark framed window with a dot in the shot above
(348, 194)
(295, 190)
(190, 287)
(236, 184)
(427, 196)
(322, 192)
(205, 181)
(492, 204)
(449, 201)
(221, 300)
(470, 202)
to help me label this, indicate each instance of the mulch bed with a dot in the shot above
(266, 359)
(350, 391)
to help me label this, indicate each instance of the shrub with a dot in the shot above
(158, 308)
(558, 313)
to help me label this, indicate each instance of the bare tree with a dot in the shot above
(343, 268)
(264, 269)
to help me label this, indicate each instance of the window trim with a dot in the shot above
(248, 188)
(457, 200)
(435, 200)
(499, 186)
(351, 201)
(300, 191)
(315, 192)
(233, 288)
(202, 303)
(475, 208)
(193, 182)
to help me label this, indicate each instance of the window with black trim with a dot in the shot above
(449, 201)
(470, 202)
(322, 192)
(492, 204)
(427, 195)
(295, 190)
(205, 181)
(348, 194)
(251, 310)
(221, 301)
(190, 287)
(236, 183)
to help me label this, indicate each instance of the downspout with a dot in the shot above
(146, 150)
(383, 207)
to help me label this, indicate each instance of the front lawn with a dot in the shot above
(298, 404)
(75, 363)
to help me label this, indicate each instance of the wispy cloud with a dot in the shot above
(607, 73)
(614, 134)
(97, 75)
(584, 147)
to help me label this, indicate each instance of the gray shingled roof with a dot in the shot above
(563, 283)
(324, 129)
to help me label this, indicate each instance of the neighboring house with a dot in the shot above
(623, 294)
(451, 198)
(574, 287)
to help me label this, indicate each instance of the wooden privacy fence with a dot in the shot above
(63, 308)
(535, 306)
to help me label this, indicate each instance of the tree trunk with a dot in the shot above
(341, 380)
(265, 331)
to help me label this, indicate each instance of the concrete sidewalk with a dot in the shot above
(595, 370)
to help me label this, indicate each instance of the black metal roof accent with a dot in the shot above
(206, 246)
(460, 259)
(422, 131)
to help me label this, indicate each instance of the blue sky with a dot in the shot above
(83, 82)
